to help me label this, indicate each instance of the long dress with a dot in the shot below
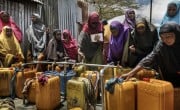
(9, 47)
(143, 44)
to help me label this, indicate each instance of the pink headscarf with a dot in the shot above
(70, 46)
(93, 17)
(12, 24)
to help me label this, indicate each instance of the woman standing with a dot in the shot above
(107, 36)
(129, 20)
(36, 34)
(89, 50)
(118, 44)
(142, 41)
(172, 13)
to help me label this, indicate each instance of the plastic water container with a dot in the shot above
(64, 78)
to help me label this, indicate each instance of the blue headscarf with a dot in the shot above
(175, 18)
(117, 43)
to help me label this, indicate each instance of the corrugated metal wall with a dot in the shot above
(21, 11)
(69, 14)
(50, 13)
(62, 14)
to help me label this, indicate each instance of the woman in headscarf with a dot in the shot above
(118, 42)
(6, 20)
(70, 45)
(36, 34)
(142, 41)
(172, 13)
(166, 55)
(107, 36)
(129, 20)
(10, 50)
(91, 51)
(55, 50)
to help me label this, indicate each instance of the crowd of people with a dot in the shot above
(134, 43)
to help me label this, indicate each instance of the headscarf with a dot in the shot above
(117, 42)
(12, 24)
(127, 21)
(147, 41)
(54, 48)
(143, 43)
(9, 46)
(143, 22)
(172, 50)
(70, 46)
(171, 27)
(93, 17)
(175, 18)
(37, 35)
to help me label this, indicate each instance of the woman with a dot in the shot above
(10, 50)
(70, 45)
(129, 20)
(107, 36)
(117, 45)
(172, 13)
(36, 34)
(55, 50)
(91, 51)
(6, 20)
(142, 41)
(166, 55)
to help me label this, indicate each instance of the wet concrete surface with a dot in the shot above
(63, 106)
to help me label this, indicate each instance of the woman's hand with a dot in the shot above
(132, 48)
(82, 56)
(127, 76)
(133, 72)
(40, 57)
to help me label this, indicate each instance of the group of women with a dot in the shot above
(137, 43)
(62, 43)
(132, 43)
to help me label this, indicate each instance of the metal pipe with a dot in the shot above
(151, 12)
(102, 83)
(86, 64)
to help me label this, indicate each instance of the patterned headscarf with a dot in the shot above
(37, 36)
